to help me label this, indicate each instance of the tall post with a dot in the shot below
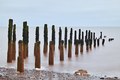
(71, 33)
(45, 38)
(65, 37)
(10, 42)
(79, 34)
(75, 37)
(60, 35)
(25, 38)
(14, 42)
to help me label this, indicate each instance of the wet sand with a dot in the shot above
(12, 74)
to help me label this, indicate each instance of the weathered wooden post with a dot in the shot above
(9, 53)
(65, 39)
(60, 36)
(75, 37)
(37, 54)
(81, 45)
(20, 59)
(45, 39)
(83, 36)
(100, 35)
(71, 33)
(103, 41)
(36, 39)
(87, 45)
(61, 51)
(69, 48)
(79, 34)
(98, 42)
(25, 38)
(14, 42)
(86, 36)
(94, 43)
(76, 47)
(37, 34)
(53, 35)
(51, 53)
(90, 41)
(93, 35)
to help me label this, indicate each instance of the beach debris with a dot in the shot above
(45, 39)
(20, 59)
(110, 39)
(69, 48)
(51, 53)
(61, 51)
(82, 72)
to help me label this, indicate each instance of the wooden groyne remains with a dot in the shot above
(87, 40)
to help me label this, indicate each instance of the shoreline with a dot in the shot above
(33, 74)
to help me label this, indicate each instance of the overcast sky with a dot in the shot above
(61, 12)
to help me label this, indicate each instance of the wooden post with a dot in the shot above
(94, 43)
(61, 51)
(98, 41)
(75, 37)
(103, 41)
(20, 61)
(81, 46)
(65, 39)
(37, 54)
(45, 39)
(14, 42)
(10, 54)
(60, 36)
(76, 47)
(51, 53)
(71, 33)
(100, 35)
(79, 34)
(83, 36)
(25, 38)
(69, 48)
(10, 43)
(87, 44)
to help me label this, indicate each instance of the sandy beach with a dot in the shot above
(12, 74)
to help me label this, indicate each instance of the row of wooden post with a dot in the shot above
(23, 44)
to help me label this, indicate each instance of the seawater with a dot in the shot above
(100, 61)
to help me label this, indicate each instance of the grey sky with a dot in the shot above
(61, 12)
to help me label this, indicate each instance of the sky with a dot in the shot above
(61, 12)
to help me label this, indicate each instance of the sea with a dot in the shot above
(100, 61)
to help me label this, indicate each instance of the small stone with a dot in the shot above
(102, 78)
